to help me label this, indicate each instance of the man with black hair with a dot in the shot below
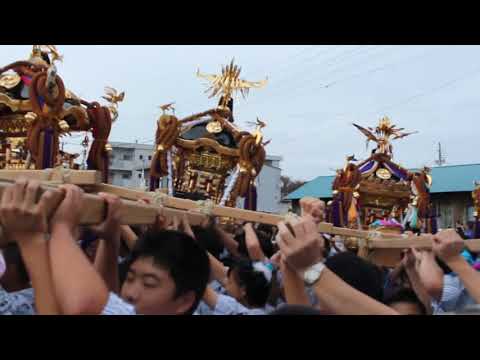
(358, 273)
(209, 240)
(302, 252)
(406, 302)
(167, 274)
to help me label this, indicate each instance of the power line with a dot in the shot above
(281, 89)
(297, 75)
(306, 84)
(430, 91)
(376, 69)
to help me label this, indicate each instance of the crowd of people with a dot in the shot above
(50, 264)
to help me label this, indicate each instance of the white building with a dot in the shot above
(269, 186)
(130, 164)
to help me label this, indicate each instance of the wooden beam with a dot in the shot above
(368, 239)
(77, 177)
(94, 208)
(194, 218)
(190, 205)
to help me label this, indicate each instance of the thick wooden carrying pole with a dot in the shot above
(371, 239)
(138, 214)
(190, 205)
(77, 177)
(94, 208)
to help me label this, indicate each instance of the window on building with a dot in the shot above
(141, 157)
(470, 211)
(139, 176)
(126, 176)
(127, 157)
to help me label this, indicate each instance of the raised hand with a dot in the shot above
(185, 226)
(69, 210)
(109, 229)
(303, 247)
(448, 245)
(22, 214)
(313, 207)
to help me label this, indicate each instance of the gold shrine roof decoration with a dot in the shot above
(229, 82)
(379, 191)
(205, 156)
(383, 135)
(37, 109)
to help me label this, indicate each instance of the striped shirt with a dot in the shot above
(454, 296)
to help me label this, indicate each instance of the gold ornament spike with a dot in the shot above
(112, 96)
(257, 133)
(53, 51)
(229, 82)
(167, 107)
(383, 134)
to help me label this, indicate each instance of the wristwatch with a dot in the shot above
(312, 275)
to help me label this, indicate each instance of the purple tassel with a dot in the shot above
(432, 225)
(476, 229)
(251, 198)
(154, 183)
(336, 213)
(47, 149)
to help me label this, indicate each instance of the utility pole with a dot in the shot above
(440, 160)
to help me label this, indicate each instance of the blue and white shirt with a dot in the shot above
(454, 296)
(227, 305)
(23, 303)
(117, 306)
(17, 303)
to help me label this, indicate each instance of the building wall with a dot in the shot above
(453, 207)
(269, 189)
(127, 162)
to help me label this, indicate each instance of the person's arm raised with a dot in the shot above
(128, 236)
(254, 249)
(228, 241)
(293, 284)
(24, 219)
(303, 249)
(430, 275)
(411, 263)
(448, 246)
(106, 258)
(78, 287)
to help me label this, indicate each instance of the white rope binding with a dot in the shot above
(231, 184)
(170, 173)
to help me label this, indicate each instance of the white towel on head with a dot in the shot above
(261, 267)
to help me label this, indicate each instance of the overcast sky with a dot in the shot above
(313, 95)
